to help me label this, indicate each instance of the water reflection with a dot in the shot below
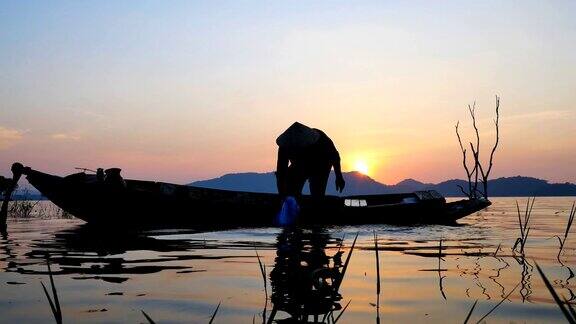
(525, 278)
(6, 250)
(498, 270)
(565, 283)
(179, 275)
(305, 280)
(305, 275)
(95, 253)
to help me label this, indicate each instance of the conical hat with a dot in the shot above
(298, 135)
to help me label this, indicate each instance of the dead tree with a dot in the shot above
(478, 171)
(465, 164)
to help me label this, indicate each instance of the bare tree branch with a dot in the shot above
(475, 150)
(486, 174)
(478, 172)
(468, 173)
(476, 167)
(463, 191)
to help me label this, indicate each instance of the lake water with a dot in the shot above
(179, 276)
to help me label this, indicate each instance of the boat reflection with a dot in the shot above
(94, 253)
(308, 266)
(305, 280)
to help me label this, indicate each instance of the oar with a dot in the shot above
(16, 174)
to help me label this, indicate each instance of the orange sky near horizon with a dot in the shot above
(190, 91)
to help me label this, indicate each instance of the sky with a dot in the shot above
(187, 90)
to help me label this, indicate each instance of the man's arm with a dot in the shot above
(335, 161)
(340, 183)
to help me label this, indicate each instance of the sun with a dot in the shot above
(361, 167)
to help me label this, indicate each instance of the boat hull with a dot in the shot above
(146, 203)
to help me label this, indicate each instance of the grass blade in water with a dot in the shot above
(54, 311)
(570, 307)
(377, 278)
(54, 292)
(148, 318)
(215, 311)
(500, 303)
(470, 312)
(559, 302)
(54, 305)
(343, 310)
(337, 285)
(377, 264)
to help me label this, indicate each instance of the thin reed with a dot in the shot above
(339, 280)
(471, 311)
(568, 226)
(491, 310)
(54, 303)
(497, 250)
(214, 314)
(148, 318)
(440, 276)
(377, 278)
(341, 312)
(499, 303)
(523, 225)
(262, 267)
(567, 309)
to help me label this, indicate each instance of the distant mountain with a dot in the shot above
(359, 184)
(356, 183)
(25, 194)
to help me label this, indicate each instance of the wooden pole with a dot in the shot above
(16, 174)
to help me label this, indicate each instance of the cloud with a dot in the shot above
(542, 115)
(9, 137)
(65, 137)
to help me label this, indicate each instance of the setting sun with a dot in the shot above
(361, 167)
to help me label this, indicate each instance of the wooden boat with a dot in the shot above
(137, 203)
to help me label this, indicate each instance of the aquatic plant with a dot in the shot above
(497, 250)
(214, 314)
(523, 225)
(566, 308)
(377, 278)
(440, 270)
(471, 311)
(499, 303)
(341, 312)
(562, 240)
(492, 309)
(54, 303)
(23, 207)
(262, 267)
(339, 280)
(148, 318)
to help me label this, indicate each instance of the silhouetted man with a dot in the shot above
(306, 153)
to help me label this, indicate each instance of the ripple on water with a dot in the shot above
(426, 272)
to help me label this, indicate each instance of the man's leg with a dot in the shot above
(296, 180)
(319, 180)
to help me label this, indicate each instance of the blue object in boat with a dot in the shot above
(289, 211)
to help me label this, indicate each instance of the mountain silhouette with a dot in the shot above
(360, 184)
